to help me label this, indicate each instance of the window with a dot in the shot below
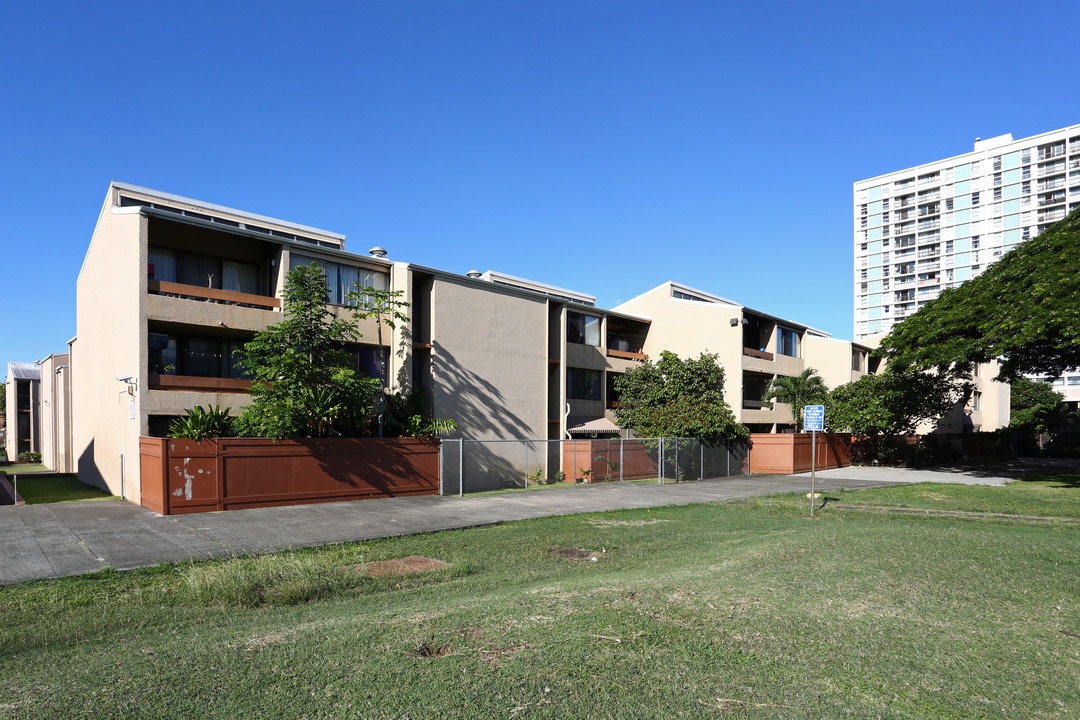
(582, 384)
(343, 279)
(366, 360)
(193, 356)
(582, 329)
(787, 342)
(168, 265)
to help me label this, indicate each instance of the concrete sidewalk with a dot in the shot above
(47, 541)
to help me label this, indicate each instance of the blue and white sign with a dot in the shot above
(814, 418)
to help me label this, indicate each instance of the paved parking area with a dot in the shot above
(47, 541)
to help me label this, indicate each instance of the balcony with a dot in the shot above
(627, 355)
(759, 354)
(201, 384)
(206, 294)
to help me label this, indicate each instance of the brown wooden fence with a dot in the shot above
(184, 476)
(789, 453)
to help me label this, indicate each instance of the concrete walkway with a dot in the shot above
(48, 541)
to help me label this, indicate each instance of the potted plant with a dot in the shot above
(585, 472)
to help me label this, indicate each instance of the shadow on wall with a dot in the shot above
(478, 406)
(90, 473)
(957, 420)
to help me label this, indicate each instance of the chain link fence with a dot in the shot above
(477, 465)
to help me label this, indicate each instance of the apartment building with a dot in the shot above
(23, 397)
(172, 287)
(752, 346)
(55, 413)
(926, 228)
(169, 289)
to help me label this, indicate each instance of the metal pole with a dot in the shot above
(660, 457)
(622, 458)
(813, 468)
(526, 464)
(701, 467)
(461, 467)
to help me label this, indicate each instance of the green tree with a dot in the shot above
(806, 388)
(1022, 311)
(1039, 413)
(304, 383)
(894, 402)
(678, 398)
(387, 308)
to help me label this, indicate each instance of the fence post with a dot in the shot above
(701, 467)
(526, 443)
(461, 467)
(621, 458)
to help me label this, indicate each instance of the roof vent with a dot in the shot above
(377, 251)
(473, 274)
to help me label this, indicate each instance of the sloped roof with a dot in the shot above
(23, 371)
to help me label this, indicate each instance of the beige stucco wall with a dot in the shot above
(831, 358)
(55, 433)
(689, 328)
(110, 343)
(489, 359)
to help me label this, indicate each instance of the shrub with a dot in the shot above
(199, 423)
(30, 456)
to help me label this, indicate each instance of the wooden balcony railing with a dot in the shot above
(191, 382)
(760, 354)
(229, 297)
(626, 355)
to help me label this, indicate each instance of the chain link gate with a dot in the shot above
(477, 465)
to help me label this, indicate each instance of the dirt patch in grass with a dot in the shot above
(965, 514)
(400, 567)
(577, 554)
(625, 523)
(431, 650)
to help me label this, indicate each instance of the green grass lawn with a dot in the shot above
(65, 488)
(1039, 494)
(746, 610)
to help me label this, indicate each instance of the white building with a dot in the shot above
(933, 226)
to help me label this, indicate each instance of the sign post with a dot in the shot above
(814, 421)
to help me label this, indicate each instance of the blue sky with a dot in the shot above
(600, 146)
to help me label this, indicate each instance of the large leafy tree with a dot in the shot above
(894, 402)
(304, 384)
(798, 391)
(1022, 311)
(678, 398)
(1039, 410)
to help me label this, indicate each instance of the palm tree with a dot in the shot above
(806, 388)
